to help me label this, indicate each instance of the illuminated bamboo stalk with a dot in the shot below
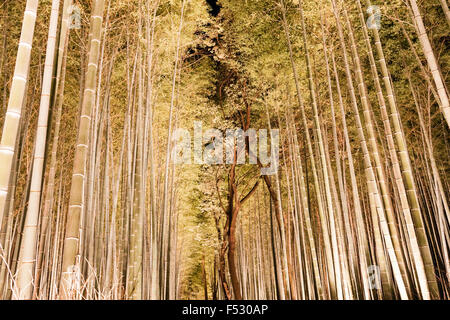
(395, 162)
(417, 236)
(48, 196)
(363, 249)
(441, 198)
(29, 240)
(135, 285)
(95, 227)
(324, 223)
(165, 208)
(294, 208)
(16, 101)
(303, 200)
(379, 169)
(376, 200)
(76, 202)
(150, 33)
(444, 6)
(284, 246)
(340, 175)
(431, 60)
(329, 200)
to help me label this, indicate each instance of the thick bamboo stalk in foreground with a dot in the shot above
(29, 240)
(76, 202)
(17, 97)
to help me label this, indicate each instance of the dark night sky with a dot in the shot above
(215, 8)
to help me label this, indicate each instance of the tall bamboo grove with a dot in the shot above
(96, 204)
